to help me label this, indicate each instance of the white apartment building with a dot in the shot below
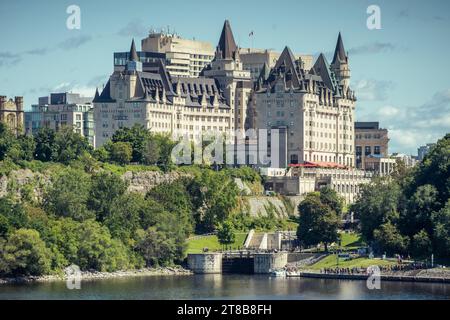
(62, 109)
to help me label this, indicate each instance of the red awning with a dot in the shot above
(319, 164)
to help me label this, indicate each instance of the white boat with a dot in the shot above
(278, 273)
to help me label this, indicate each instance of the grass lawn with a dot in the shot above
(351, 240)
(330, 262)
(212, 243)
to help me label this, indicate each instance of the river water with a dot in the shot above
(258, 287)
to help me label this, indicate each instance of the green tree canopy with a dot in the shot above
(120, 152)
(25, 253)
(105, 188)
(318, 222)
(376, 205)
(225, 233)
(389, 239)
(69, 145)
(69, 194)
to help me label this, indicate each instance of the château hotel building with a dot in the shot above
(314, 110)
(147, 94)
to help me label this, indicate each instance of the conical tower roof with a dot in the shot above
(227, 45)
(133, 53)
(340, 55)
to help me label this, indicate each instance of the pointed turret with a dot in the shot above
(133, 53)
(340, 65)
(227, 46)
(340, 56)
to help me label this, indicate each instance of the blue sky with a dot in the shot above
(399, 73)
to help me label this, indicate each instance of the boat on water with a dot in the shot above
(278, 273)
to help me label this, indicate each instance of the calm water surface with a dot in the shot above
(225, 287)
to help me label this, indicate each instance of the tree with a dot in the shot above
(130, 212)
(120, 152)
(152, 152)
(225, 233)
(69, 145)
(68, 195)
(7, 142)
(136, 136)
(165, 150)
(21, 148)
(62, 238)
(421, 245)
(105, 188)
(388, 239)
(434, 170)
(318, 222)
(27, 147)
(45, 144)
(175, 199)
(441, 230)
(98, 251)
(376, 205)
(215, 197)
(12, 216)
(331, 198)
(157, 248)
(419, 208)
(101, 154)
(25, 254)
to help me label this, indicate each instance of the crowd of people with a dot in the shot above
(383, 269)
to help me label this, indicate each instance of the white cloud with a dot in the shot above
(372, 90)
(83, 90)
(412, 126)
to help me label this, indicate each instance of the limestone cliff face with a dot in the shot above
(281, 207)
(144, 181)
(26, 183)
(22, 181)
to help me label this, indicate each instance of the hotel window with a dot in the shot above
(367, 150)
(376, 150)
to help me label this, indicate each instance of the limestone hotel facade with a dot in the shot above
(146, 93)
(314, 110)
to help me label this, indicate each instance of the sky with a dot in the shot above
(399, 72)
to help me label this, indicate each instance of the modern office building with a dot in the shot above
(62, 109)
(313, 110)
(11, 113)
(184, 57)
(371, 141)
(255, 59)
